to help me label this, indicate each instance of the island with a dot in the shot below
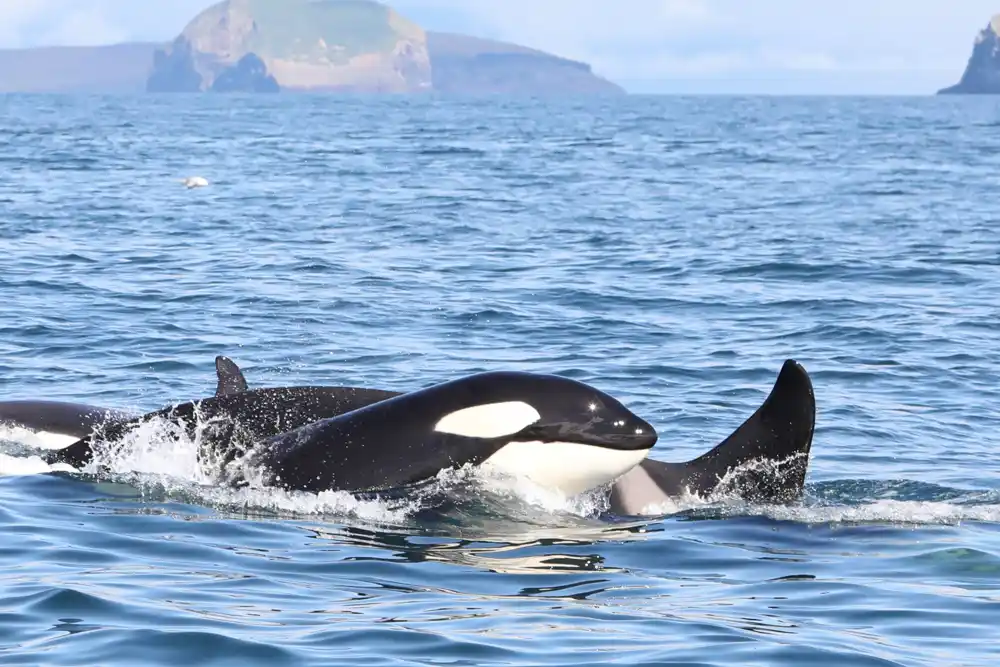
(269, 46)
(982, 73)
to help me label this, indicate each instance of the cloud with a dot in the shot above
(25, 23)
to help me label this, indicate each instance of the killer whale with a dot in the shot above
(56, 424)
(765, 459)
(559, 432)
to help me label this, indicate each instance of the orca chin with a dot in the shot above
(547, 464)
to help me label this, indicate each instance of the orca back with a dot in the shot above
(252, 415)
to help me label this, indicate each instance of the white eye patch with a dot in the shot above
(489, 420)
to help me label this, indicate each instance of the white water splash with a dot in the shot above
(35, 439)
(29, 465)
(725, 502)
(159, 458)
(904, 512)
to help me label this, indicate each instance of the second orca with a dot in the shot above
(60, 423)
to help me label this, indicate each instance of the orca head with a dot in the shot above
(558, 432)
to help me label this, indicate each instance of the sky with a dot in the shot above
(647, 46)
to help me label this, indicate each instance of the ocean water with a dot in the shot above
(671, 251)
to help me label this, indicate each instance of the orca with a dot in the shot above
(558, 432)
(56, 424)
(764, 460)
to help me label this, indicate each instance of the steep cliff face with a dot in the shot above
(304, 44)
(174, 70)
(982, 73)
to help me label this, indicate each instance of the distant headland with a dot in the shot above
(982, 73)
(267, 46)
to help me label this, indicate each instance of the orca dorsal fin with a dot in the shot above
(764, 460)
(779, 432)
(231, 380)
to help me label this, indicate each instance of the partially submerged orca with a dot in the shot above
(58, 423)
(559, 432)
(764, 460)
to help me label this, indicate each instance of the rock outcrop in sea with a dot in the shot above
(982, 73)
(248, 75)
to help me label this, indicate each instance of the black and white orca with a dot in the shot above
(558, 432)
(56, 424)
(53, 424)
(764, 460)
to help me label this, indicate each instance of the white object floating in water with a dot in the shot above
(195, 182)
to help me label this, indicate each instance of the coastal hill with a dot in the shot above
(334, 45)
(302, 46)
(982, 72)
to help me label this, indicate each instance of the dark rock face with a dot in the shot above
(248, 75)
(982, 73)
(174, 70)
(177, 69)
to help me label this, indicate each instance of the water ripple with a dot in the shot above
(673, 251)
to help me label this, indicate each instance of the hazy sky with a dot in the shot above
(769, 46)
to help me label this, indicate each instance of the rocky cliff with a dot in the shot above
(982, 73)
(336, 45)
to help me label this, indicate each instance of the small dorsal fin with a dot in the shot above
(231, 380)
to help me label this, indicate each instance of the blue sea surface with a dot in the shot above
(671, 251)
